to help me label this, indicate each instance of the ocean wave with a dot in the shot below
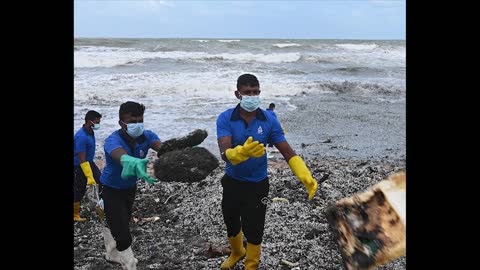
(349, 69)
(316, 59)
(373, 59)
(290, 71)
(104, 49)
(92, 99)
(160, 48)
(357, 88)
(357, 47)
(178, 85)
(109, 57)
(266, 58)
(284, 45)
(228, 40)
(357, 69)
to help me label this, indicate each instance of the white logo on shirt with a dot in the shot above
(260, 130)
(265, 200)
(142, 154)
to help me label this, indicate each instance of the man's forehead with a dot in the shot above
(129, 116)
(244, 87)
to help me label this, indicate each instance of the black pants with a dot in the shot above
(118, 206)
(243, 207)
(80, 181)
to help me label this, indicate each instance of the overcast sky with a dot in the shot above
(327, 19)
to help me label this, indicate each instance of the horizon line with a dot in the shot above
(230, 38)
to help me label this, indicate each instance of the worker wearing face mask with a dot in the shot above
(126, 162)
(242, 133)
(86, 171)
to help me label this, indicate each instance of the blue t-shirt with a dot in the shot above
(263, 128)
(111, 175)
(272, 112)
(83, 142)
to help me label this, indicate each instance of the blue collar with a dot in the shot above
(89, 131)
(131, 141)
(236, 114)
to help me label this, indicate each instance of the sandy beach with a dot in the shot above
(353, 140)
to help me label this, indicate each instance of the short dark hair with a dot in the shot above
(92, 115)
(130, 107)
(272, 105)
(247, 80)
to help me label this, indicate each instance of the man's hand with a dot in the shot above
(87, 171)
(243, 152)
(303, 174)
(136, 167)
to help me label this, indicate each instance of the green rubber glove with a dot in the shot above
(133, 166)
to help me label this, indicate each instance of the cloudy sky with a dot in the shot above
(320, 19)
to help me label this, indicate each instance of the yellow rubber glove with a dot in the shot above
(87, 170)
(301, 171)
(243, 152)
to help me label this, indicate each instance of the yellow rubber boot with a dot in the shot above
(253, 256)
(76, 212)
(238, 251)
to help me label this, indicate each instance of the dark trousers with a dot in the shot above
(118, 206)
(80, 181)
(243, 207)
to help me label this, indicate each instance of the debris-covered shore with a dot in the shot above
(348, 142)
(180, 225)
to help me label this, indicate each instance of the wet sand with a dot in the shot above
(343, 125)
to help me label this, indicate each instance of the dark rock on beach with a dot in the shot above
(191, 164)
(194, 138)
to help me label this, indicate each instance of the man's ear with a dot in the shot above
(237, 94)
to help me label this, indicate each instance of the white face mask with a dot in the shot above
(250, 103)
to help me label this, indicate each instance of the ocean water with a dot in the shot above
(186, 83)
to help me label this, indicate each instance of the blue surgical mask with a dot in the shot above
(95, 126)
(135, 129)
(250, 103)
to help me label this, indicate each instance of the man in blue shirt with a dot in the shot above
(86, 171)
(271, 108)
(125, 153)
(242, 133)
